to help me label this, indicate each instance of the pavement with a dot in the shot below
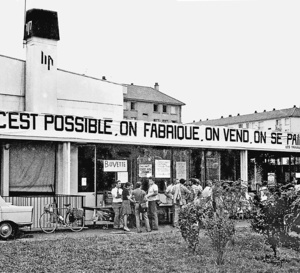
(90, 231)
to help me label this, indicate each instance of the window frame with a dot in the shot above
(163, 107)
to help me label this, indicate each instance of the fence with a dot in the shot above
(38, 203)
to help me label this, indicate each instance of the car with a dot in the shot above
(12, 218)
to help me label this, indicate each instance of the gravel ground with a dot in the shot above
(99, 231)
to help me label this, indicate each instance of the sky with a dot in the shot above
(220, 58)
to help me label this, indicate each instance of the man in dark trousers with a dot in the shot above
(152, 198)
(139, 197)
(116, 193)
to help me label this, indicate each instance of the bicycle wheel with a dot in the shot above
(48, 222)
(74, 224)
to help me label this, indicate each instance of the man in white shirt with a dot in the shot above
(152, 197)
(116, 193)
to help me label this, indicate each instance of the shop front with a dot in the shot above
(71, 155)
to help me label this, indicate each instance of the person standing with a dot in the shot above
(126, 207)
(152, 197)
(140, 198)
(178, 191)
(168, 192)
(117, 204)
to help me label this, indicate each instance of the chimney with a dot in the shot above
(238, 114)
(230, 116)
(255, 112)
(41, 34)
(104, 78)
(274, 109)
(156, 86)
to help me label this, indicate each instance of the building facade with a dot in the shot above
(282, 120)
(267, 165)
(65, 133)
(149, 104)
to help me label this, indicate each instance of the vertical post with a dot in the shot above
(95, 174)
(5, 170)
(66, 168)
(244, 165)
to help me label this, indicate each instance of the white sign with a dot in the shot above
(162, 168)
(123, 177)
(271, 179)
(145, 170)
(115, 166)
(83, 181)
(27, 125)
(297, 175)
(181, 170)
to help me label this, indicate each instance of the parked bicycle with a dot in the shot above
(51, 218)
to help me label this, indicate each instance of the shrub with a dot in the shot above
(275, 218)
(220, 230)
(191, 220)
(212, 215)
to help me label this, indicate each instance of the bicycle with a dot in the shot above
(51, 218)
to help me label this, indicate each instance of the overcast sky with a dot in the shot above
(218, 57)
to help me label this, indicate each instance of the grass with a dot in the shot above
(161, 252)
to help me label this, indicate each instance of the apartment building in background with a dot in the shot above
(150, 104)
(283, 120)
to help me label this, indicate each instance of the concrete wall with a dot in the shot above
(295, 125)
(85, 96)
(12, 85)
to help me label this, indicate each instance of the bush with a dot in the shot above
(191, 220)
(275, 218)
(212, 215)
(220, 230)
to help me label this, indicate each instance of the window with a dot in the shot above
(155, 107)
(134, 118)
(145, 114)
(241, 125)
(173, 110)
(260, 125)
(125, 105)
(174, 121)
(156, 120)
(278, 125)
(164, 108)
(247, 125)
(132, 105)
(165, 120)
(286, 121)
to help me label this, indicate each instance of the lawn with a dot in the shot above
(161, 252)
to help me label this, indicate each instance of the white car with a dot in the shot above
(12, 217)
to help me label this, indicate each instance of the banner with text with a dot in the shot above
(25, 125)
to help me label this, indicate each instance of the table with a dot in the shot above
(107, 209)
(168, 207)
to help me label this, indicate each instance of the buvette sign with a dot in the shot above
(24, 125)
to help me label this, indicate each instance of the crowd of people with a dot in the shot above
(144, 203)
(127, 201)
